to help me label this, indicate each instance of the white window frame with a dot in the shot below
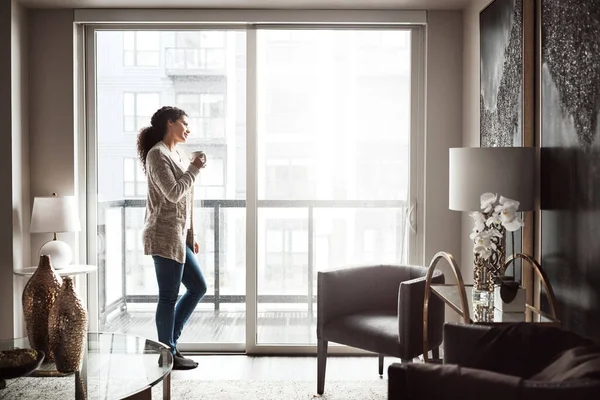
(250, 21)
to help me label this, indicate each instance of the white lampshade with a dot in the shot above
(55, 214)
(506, 171)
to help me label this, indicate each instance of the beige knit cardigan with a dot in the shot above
(167, 206)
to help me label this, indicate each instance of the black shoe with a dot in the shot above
(180, 363)
(179, 355)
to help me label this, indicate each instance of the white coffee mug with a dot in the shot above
(200, 154)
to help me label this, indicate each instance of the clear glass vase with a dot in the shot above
(485, 274)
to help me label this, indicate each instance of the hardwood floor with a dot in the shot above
(275, 327)
(241, 367)
(290, 327)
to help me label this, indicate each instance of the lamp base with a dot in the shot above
(60, 253)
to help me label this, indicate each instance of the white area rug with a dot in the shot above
(63, 388)
(274, 390)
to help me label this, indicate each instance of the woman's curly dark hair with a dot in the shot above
(157, 130)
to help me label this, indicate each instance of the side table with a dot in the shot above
(459, 297)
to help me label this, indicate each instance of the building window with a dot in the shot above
(134, 179)
(211, 183)
(141, 49)
(289, 179)
(206, 113)
(138, 109)
(199, 50)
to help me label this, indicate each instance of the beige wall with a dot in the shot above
(470, 110)
(14, 160)
(20, 150)
(52, 127)
(6, 241)
(444, 130)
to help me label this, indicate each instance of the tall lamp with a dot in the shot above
(52, 215)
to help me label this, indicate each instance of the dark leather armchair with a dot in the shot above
(376, 308)
(517, 361)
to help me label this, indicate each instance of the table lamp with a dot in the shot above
(55, 214)
(506, 171)
(503, 171)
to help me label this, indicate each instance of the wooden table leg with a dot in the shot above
(167, 387)
(143, 395)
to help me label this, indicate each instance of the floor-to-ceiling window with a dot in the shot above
(330, 168)
(333, 146)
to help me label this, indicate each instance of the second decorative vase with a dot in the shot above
(67, 327)
(39, 296)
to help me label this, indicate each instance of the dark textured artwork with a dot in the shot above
(501, 84)
(501, 96)
(570, 159)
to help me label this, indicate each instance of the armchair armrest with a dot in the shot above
(410, 313)
(355, 289)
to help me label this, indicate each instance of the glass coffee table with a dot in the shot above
(115, 366)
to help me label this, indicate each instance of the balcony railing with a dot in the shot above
(217, 298)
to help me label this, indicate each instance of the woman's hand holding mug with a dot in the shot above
(199, 159)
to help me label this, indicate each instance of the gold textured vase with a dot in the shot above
(39, 296)
(67, 326)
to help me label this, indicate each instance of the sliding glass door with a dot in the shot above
(312, 140)
(333, 152)
(203, 72)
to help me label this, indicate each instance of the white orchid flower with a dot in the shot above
(478, 221)
(497, 215)
(487, 201)
(512, 224)
(505, 201)
(494, 219)
(507, 213)
(485, 238)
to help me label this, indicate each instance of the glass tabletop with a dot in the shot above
(481, 308)
(114, 366)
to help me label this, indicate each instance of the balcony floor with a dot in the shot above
(281, 327)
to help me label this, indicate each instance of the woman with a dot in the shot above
(170, 181)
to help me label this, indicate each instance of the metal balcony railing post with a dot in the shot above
(311, 247)
(123, 257)
(217, 253)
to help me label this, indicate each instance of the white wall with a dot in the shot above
(470, 110)
(443, 130)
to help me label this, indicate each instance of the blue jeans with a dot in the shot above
(172, 315)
